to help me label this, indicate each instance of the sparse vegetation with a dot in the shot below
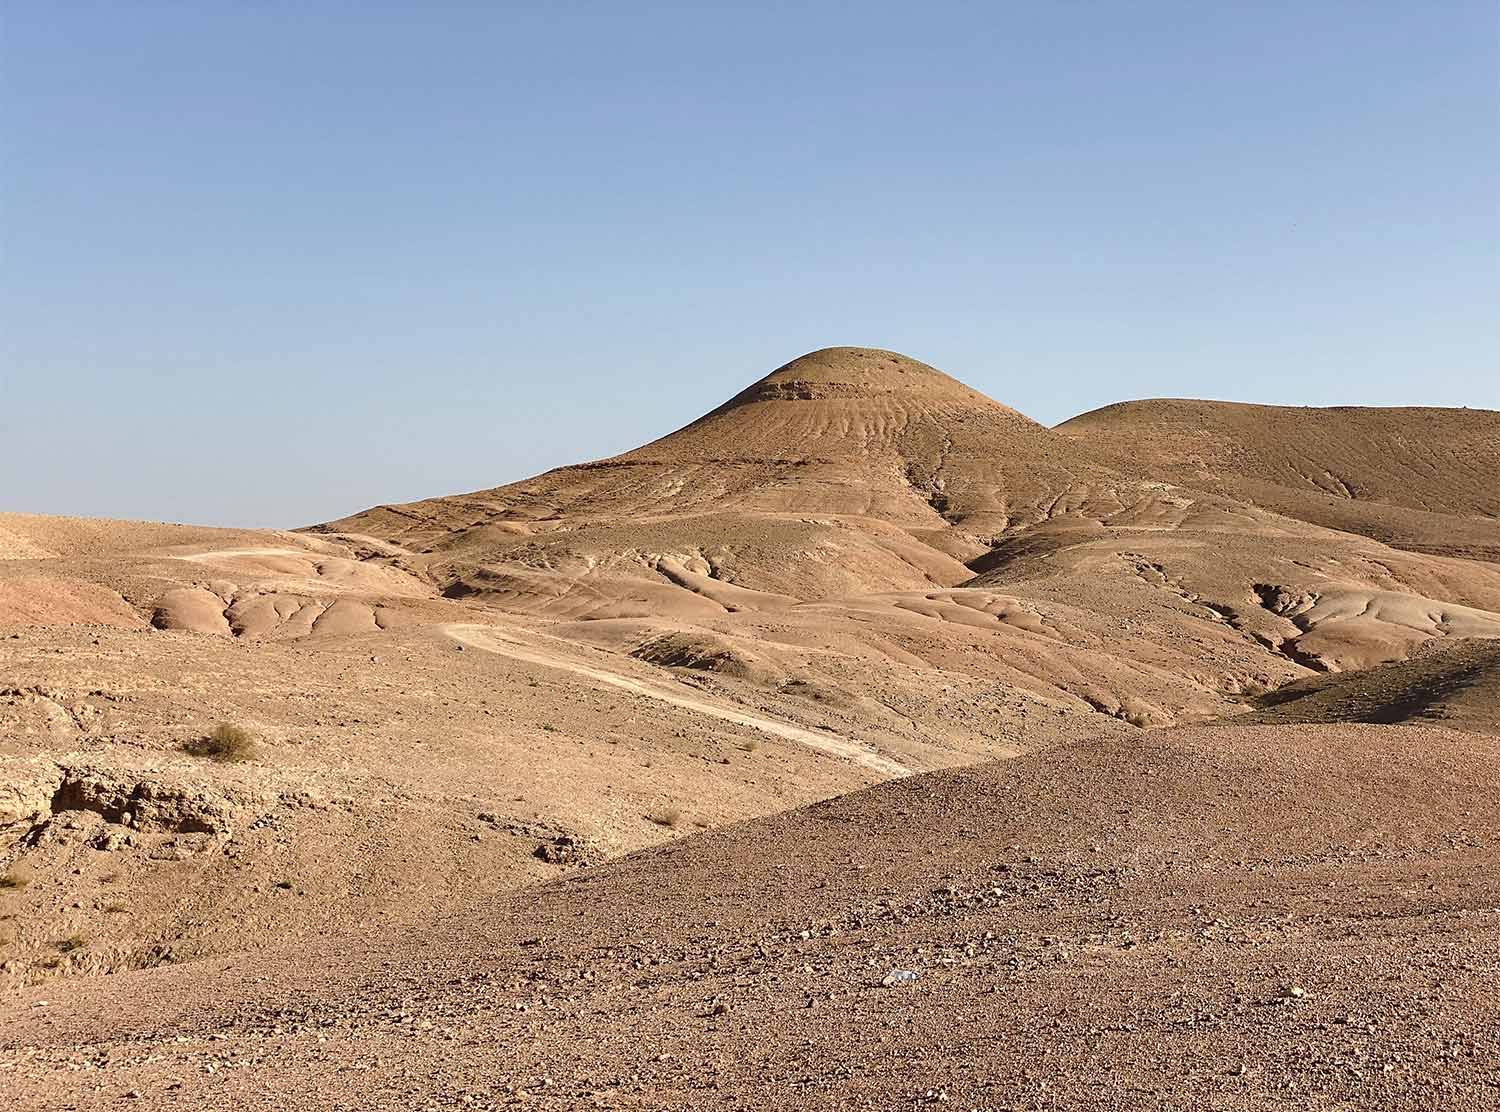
(14, 880)
(115, 909)
(549, 727)
(227, 742)
(750, 745)
(667, 816)
(71, 943)
(1251, 689)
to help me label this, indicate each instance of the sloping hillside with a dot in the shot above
(1455, 685)
(1418, 478)
(1238, 917)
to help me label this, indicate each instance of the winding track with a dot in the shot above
(231, 553)
(489, 639)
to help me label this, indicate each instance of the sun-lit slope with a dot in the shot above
(875, 487)
(1455, 685)
(848, 470)
(1418, 478)
(847, 431)
(1215, 916)
(857, 430)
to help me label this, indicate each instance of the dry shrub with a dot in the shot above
(667, 816)
(227, 742)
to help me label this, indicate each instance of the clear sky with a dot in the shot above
(270, 263)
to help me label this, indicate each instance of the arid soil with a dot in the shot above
(1160, 748)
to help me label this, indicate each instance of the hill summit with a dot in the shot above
(849, 373)
(842, 430)
(844, 402)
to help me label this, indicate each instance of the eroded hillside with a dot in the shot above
(856, 569)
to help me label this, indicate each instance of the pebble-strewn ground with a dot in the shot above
(1187, 922)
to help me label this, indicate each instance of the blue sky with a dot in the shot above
(267, 264)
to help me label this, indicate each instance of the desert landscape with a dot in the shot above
(862, 744)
